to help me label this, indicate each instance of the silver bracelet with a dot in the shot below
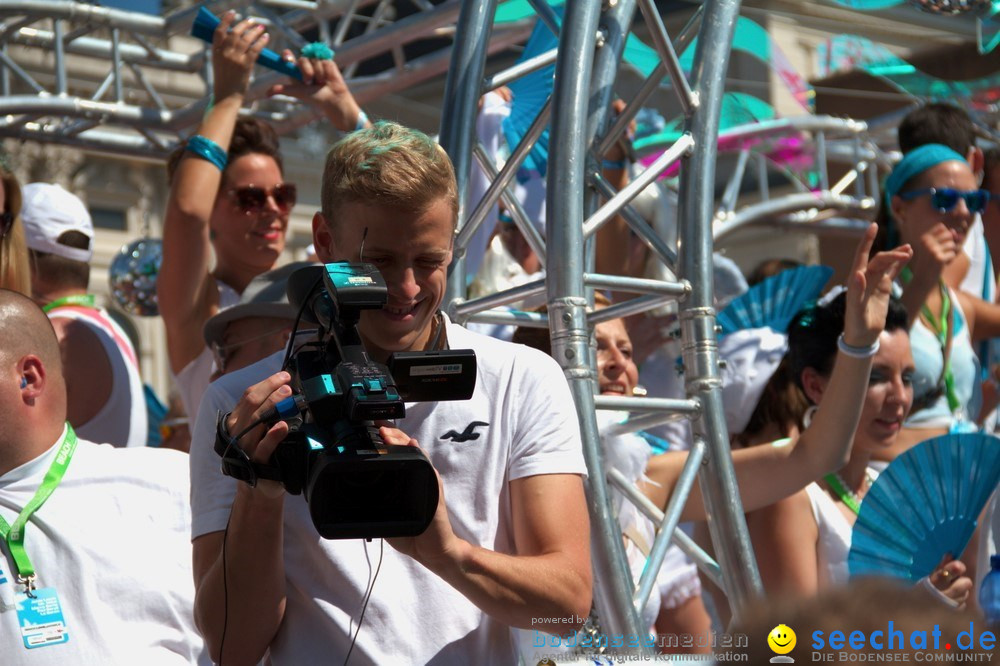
(857, 352)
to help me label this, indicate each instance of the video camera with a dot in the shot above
(356, 485)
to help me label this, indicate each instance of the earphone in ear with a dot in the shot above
(24, 382)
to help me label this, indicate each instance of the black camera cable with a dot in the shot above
(368, 594)
(295, 326)
(269, 415)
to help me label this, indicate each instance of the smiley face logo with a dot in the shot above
(781, 640)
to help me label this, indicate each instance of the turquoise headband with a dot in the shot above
(916, 162)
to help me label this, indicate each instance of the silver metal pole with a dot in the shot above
(458, 120)
(658, 33)
(697, 316)
(635, 285)
(629, 192)
(506, 174)
(519, 293)
(567, 303)
(704, 562)
(514, 207)
(521, 69)
(790, 203)
(669, 523)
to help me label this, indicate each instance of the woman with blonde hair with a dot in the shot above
(15, 273)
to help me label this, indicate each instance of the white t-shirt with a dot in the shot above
(527, 425)
(112, 540)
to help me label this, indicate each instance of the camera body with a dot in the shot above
(355, 484)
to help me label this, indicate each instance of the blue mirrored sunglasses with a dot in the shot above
(946, 198)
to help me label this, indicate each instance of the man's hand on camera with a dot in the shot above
(438, 545)
(259, 443)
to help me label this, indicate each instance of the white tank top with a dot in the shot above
(834, 541)
(122, 421)
(195, 377)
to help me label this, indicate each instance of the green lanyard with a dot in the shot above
(940, 329)
(848, 498)
(84, 300)
(14, 534)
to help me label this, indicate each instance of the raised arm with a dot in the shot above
(323, 87)
(768, 473)
(187, 294)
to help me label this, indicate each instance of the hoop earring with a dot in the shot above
(808, 416)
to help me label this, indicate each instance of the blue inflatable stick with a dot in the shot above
(204, 28)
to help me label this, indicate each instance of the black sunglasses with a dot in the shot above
(946, 198)
(252, 199)
(6, 223)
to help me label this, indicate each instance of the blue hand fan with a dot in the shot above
(774, 302)
(924, 505)
(204, 28)
(530, 93)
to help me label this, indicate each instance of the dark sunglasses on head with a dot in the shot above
(252, 199)
(6, 223)
(945, 198)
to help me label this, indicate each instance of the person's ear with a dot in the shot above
(814, 385)
(976, 161)
(33, 377)
(323, 238)
(897, 206)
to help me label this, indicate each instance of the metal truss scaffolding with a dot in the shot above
(591, 40)
(122, 83)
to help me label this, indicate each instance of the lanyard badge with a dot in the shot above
(39, 613)
(14, 534)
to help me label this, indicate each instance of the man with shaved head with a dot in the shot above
(94, 552)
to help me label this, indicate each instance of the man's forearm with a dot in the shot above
(543, 592)
(243, 595)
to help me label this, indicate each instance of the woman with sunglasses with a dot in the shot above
(15, 271)
(229, 197)
(931, 198)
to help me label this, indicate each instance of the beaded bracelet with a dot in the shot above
(317, 51)
(207, 150)
(857, 352)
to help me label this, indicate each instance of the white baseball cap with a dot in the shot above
(49, 211)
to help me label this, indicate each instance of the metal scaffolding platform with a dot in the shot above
(121, 82)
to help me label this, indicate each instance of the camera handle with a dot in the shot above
(235, 462)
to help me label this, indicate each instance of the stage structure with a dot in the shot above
(125, 111)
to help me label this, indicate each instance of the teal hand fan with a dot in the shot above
(530, 94)
(924, 505)
(774, 302)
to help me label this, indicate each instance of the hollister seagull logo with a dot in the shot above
(465, 435)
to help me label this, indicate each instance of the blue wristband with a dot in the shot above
(362, 120)
(614, 164)
(207, 150)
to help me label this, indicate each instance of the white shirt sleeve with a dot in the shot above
(546, 436)
(212, 493)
